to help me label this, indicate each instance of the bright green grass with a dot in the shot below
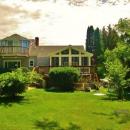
(83, 109)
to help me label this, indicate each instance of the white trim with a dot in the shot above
(30, 61)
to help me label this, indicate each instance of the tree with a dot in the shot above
(117, 68)
(97, 42)
(90, 39)
(104, 39)
(109, 38)
(123, 28)
(116, 73)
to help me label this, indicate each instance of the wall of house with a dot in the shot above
(24, 61)
(43, 61)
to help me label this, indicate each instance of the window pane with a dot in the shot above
(74, 51)
(84, 61)
(65, 52)
(65, 61)
(12, 64)
(31, 63)
(10, 43)
(55, 61)
(25, 43)
(75, 61)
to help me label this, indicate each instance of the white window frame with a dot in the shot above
(30, 61)
(11, 61)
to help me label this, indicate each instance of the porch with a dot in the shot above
(87, 72)
(14, 51)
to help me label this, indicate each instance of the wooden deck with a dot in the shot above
(87, 72)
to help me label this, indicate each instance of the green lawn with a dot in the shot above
(84, 110)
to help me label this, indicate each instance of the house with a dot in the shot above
(14, 52)
(46, 57)
(17, 51)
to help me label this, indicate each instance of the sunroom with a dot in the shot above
(71, 56)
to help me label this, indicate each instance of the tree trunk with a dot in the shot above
(120, 93)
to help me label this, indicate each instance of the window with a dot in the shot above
(74, 51)
(57, 53)
(25, 44)
(75, 61)
(31, 62)
(10, 42)
(84, 61)
(12, 64)
(65, 52)
(65, 61)
(55, 61)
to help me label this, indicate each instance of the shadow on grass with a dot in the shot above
(122, 116)
(58, 90)
(7, 101)
(46, 124)
(107, 98)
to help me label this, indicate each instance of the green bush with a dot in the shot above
(15, 82)
(63, 78)
(27, 76)
(10, 85)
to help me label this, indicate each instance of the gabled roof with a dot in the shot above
(45, 51)
(15, 36)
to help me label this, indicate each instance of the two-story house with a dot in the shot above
(17, 51)
(14, 52)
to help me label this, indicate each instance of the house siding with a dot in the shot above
(43, 61)
(24, 61)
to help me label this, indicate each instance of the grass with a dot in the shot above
(41, 110)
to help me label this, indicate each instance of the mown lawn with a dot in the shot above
(40, 110)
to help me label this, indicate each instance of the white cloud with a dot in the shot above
(60, 23)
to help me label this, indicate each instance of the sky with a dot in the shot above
(57, 23)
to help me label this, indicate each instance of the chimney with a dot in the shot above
(36, 41)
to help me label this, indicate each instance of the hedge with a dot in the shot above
(63, 78)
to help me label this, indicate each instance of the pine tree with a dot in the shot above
(109, 38)
(97, 42)
(104, 39)
(90, 39)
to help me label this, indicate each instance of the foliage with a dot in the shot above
(34, 77)
(27, 76)
(116, 73)
(15, 82)
(10, 85)
(109, 38)
(64, 77)
(97, 42)
(90, 39)
(123, 27)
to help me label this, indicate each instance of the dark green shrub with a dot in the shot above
(10, 85)
(15, 82)
(63, 78)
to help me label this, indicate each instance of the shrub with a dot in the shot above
(27, 76)
(10, 85)
(63, 78)
(15, 82)
(34, 77)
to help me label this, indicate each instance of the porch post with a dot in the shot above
(89, 61)
(60, 60)
(70, 59)
(50, 60)
(80, 62)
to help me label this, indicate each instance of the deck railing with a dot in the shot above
(83, 69)
(14, 51)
